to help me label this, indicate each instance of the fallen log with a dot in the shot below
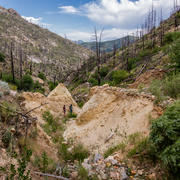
(109, 137)
(51, 175)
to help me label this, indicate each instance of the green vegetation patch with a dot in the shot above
(165, 136)
(2, 57)
(118, 76)
(169, 86)
(113, 149)
(78, 152)
(42, 76)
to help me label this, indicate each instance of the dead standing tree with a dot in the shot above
(98, 52)
(20, 64)
(161, 28)
(114, 54)
(12, 61)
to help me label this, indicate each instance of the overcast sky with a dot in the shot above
(77, 18)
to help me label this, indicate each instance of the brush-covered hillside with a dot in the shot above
(154, 50)
(41, 50)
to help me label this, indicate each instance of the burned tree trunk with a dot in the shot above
(20, 65)
(98, 52)
(12, 62)
(114, 54)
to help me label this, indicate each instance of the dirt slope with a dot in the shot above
(112, 112)
(59, 97)
(55, 102)
(146, 78)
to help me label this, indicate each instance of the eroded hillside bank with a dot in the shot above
(110, 115)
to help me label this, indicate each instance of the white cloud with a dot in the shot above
(33, 20)
(108, 34)
(125, 13)
(78, 35)
(37, 21)
(116, 33)
(119, 13)
(68, 9)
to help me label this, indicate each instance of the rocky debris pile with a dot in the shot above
(109, 168)
(113, 168)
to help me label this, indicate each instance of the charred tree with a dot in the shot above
(12, 61)
(161, 28)
(98, 52)
(20, 65)
(114, 54)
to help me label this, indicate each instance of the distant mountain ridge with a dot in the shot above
(106, 46)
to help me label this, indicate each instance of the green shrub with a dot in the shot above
(79, 153)
(165, 135)
(71, 115)
(52, 85)
(20, 172)
(156, 89)
(65, 172)
(175, 53)
(144, 53)
(93, 81)
(139, 147)
(6, 138)
(104, 71)
(82, 173)
(118, 76)
(64, 153)
(45, 162)
(132, 63)
(38, 88)
(133, 138)
(113, 149)
(2, 57)
(178, 14)
(48, 117)
(27, 82)
(171, 157)
(7, 77)
(171, 37)
(42, 76)
(80, 104)
(51, 125)
(171, 86)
